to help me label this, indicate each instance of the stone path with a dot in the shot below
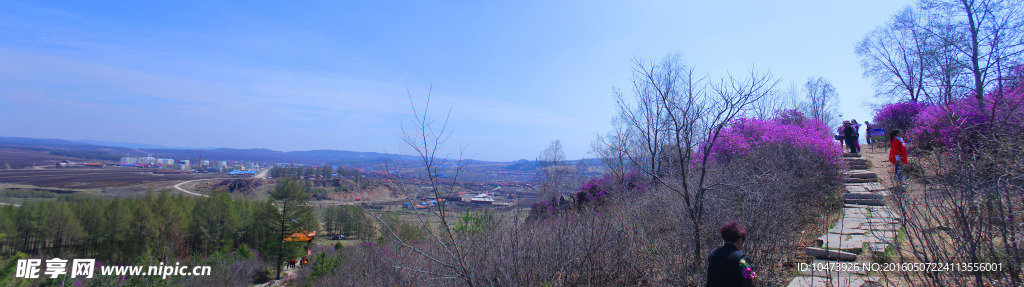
(867, 227)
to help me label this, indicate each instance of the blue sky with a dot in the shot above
(335, 75)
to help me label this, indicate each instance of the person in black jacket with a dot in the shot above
(851, 137)
(867, 131)
(728, 266)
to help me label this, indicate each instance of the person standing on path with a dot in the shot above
(728, 266)
(840, 137)
(851, 136)
(898, 153)
(867, 131)
(856, 134)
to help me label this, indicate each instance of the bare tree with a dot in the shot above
(553, 155)
(555, 175)
(774, 101)
(643, 115)
(894, 55)
(987, 34)
(672, 123)
(946, 77)
(444, 251)
(821, 100)
(615, 160)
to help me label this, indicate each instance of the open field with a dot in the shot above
(20, 159)
(90, 178)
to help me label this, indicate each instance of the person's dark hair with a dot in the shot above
(732, 232)
(893, 133)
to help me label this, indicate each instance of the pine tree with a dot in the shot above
(27, 224)
(214, 222)
(115, 235)
(90, 213)
(292, 213)
(143, 229)
(170, 218)
(7, 230)
(61, 225)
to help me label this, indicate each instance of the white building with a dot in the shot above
(482, 198)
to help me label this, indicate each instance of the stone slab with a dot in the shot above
(874, 186)
(857, 209)
(829, 254)
(860, 180)
(858, 212)
(862, 174)
(850, 223)
(856, 188)
(872, 226)
(855, 160)
(849, 243)
(862, 195)
(882, 236)
(882, 220)
(847, 230)
(851, 155)
(871, 202)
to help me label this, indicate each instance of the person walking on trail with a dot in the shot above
(856, 134)
(851, 136)
(867, 130)
(728, 266)
(898, 153)
(840, 137)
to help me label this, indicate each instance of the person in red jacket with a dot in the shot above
(898, 152)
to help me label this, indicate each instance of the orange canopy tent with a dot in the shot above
(301, 236)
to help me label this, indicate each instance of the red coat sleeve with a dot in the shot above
(897, 149)
(903, 153)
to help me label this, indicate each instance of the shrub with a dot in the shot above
(594, 192)
(961, 123)
(898, 115)
(787, 127)
(599, 189)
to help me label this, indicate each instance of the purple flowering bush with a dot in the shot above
(599, 189)
(960, 123)
(786, 128)
(898, 115)
(593, 192)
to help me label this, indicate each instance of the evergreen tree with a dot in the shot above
(6, 227)
(292, 213)
(90, 214)
(143, 229)
(28, 225)
(115, 235)
(214, 222)
(61, 226)
(170, 220)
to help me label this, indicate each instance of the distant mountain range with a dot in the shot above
(113, 151)
(267, 155)
(132, 145)
(105, 150)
